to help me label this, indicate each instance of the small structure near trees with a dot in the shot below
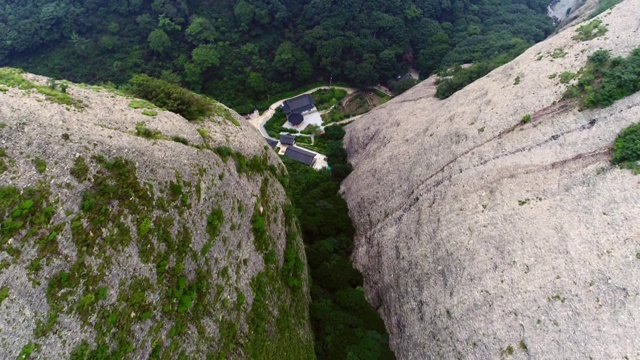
(272, 143)
(296, 108)
(303, 156)
(301, 104)
(287, 139)
(295, 119)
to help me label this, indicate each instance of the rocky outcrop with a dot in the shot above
(130, 231)
(480, 236)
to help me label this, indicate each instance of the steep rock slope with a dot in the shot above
(480, 236)
(116, 244)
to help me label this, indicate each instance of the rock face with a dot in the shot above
(481, 237)
(159, 247)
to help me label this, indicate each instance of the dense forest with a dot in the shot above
(344, 324)
(244, 52)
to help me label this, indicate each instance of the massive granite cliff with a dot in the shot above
(130, 232)
(483, 235)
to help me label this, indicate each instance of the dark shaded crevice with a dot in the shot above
(553, 109)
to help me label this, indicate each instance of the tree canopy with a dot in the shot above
(244, 51)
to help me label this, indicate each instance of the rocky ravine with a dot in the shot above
(480, 237)
(112, 243)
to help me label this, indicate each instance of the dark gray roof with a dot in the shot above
(404, 77)
(298, 154)
(298, 104)
(271, 143)
(287, 139)
(295, 118)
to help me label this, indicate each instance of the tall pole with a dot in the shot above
(331, 80)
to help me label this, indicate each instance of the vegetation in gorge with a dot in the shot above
(345, 325)
(247, 52)
(604, 79)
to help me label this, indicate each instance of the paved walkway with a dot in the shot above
(356, 117)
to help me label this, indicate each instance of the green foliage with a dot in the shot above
(205, 56)
(204, 133)
(180, 139)
(144, 131)
(626, 148)
(114, 181)
(28, 208)
(148, 112)
(222, 111)
(176, 299)
(293, 265)
(159, 41)
(345, 326)
(13, 78)
(509, 350)
(247, 52)
(141, 104)
(144, 227)
(591, 30)
(337, 160)
(80, 169)
(171, 97)
(326, 98)
(260, 236)
(4, 293)
(225, 152)
(459, 77)
(605, 80)
(558, 53)
(3, 165)
(44, 328)
(402, 86)
(334, 132)
(567, 76)
(214, 223)
(274, 127)
(525, 119)
(516, 81)
(40, 164)
(27, 351)
(272, 336)
(255, 164)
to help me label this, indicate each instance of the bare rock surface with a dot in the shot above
(150, 247)
(480, 237)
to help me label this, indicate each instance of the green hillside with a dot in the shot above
(244, 52)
